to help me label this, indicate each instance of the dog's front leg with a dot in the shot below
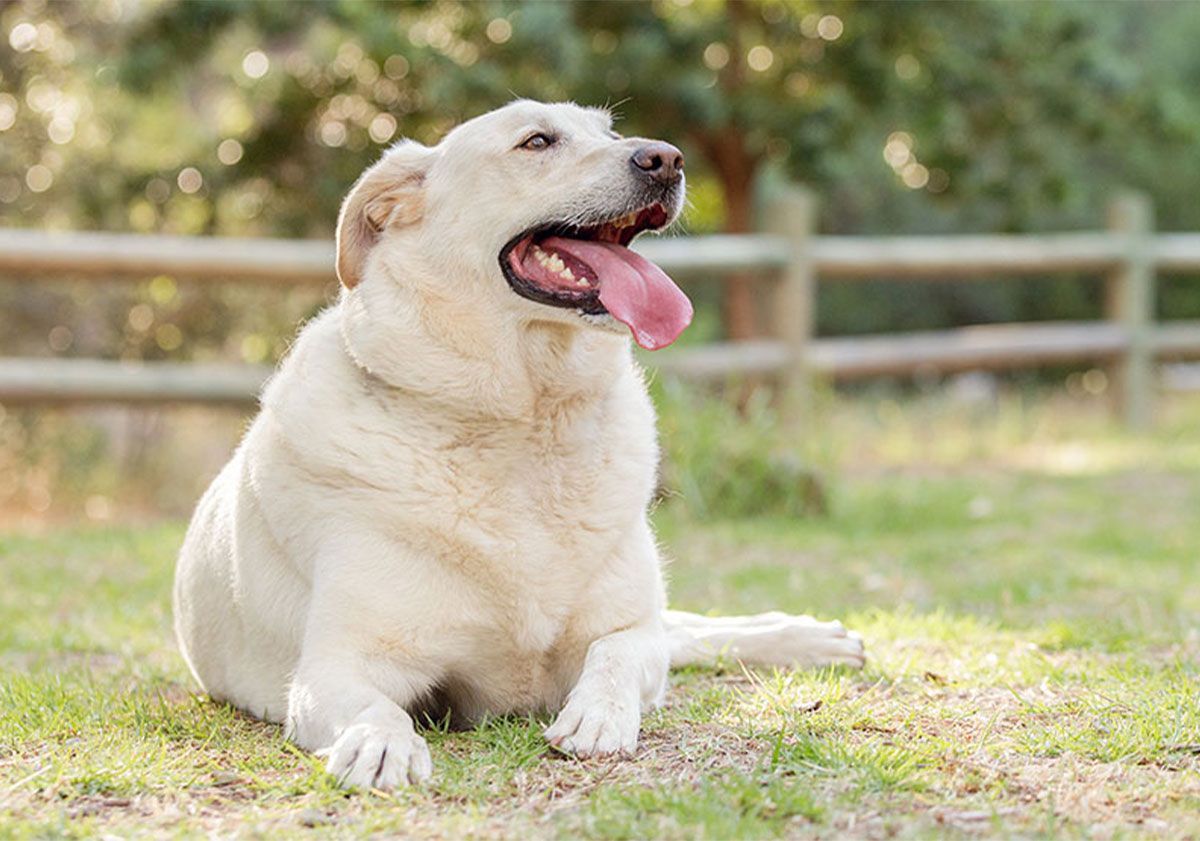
(349, 706)
(368, 739)
(624, 674)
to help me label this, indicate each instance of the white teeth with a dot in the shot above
(551, 262)
(566, 274)
(582, 282)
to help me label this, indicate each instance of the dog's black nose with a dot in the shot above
(661, 161)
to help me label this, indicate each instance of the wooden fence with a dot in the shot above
(1129, 255)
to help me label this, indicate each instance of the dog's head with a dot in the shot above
(528, 209)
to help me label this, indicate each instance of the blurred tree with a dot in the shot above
(252, 118)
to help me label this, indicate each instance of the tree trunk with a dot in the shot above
(735, 168)
(738, 299)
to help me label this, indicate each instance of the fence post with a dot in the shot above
(792, 215)
(1130, 305)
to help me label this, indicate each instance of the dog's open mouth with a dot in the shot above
(590, 268)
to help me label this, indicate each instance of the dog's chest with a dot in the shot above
(527, 519)
(561, 490)
(511, 527)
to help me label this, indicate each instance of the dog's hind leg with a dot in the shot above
(765, 639)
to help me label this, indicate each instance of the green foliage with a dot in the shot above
(252, 119)
(720, 462)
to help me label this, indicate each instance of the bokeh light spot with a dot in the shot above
(229, 151)
(42, 96)
(142, 216)
(939, 180)
(60, 130)
(190, 180)
(914, 175)
(255, 64)
(23, 37)
(60, 338)
(830, 27)
(141, 317)
(158, 190)
(907, 67)
(168, 337)
(898, 149)
(716, 55)
(382, 128)
(10, 189)
(163, 289)
(760, 58)
(8, 111)
(396, 67)
(38, 178)
(1095, 381)
(499, 30)
(333, 134)
(798, 84)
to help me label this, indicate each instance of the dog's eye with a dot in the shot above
(538, 142)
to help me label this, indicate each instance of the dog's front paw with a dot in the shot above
(597, 724)
(374, 756)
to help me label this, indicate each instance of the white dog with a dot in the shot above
(442, 506)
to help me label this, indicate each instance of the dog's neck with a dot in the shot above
(437, 347)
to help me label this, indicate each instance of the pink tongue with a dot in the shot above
(633, 290)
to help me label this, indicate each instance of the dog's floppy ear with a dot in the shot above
(390, 193)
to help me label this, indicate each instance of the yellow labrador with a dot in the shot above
(442, 505)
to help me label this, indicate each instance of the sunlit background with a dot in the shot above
(252, 119)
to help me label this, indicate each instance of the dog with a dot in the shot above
(441, 508)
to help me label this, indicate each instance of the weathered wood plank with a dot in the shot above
(1181, 377)
(720, 360)
(1176, 252)
(89, 254)
(991, 346)
(1130, 303)
(715, 253)
(962, 257)
(792, 215)
(995, 346)
(1176, 340)
(25, 381)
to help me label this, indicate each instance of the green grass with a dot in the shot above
(1027, 581)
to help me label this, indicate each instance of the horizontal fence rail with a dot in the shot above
(24, 380)
(89, 254)
(1128, 255)
(985, 347)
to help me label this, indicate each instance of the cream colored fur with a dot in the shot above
(442, 504)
